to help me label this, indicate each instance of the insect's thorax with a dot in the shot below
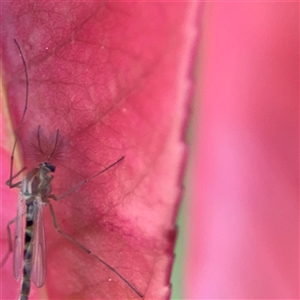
(36, 184)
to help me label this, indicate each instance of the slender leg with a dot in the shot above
(10, 247)
(90, 252)
(9, 181)
(77, 186)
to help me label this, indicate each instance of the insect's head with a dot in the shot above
(47, 166)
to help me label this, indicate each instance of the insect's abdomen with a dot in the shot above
(29, 229)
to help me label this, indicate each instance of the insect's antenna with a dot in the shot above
(56, 142)
(23, 115)
(40, 146)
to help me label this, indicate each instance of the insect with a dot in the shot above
(29, 252)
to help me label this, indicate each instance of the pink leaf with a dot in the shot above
(113, 78)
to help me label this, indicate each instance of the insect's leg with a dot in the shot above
(9, 181)
(10, 247)
(89, 251)
(11, 177)
(77, 186)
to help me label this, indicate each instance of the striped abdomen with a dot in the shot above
(29, 229)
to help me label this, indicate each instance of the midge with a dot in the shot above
(29, 253)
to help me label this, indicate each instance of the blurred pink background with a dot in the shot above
(243, 219)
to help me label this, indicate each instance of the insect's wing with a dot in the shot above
(19, 238)
(38, 272)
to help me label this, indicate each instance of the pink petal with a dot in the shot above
(113, 78)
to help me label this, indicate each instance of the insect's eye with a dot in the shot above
(49, 166)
